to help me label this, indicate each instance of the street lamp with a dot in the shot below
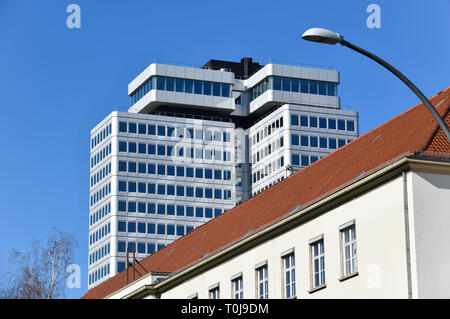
(330, 37)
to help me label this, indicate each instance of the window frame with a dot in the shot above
(342, 244)
(317, 240)
(265, 281)
(237, 292)
(214, 291)
(288, 255)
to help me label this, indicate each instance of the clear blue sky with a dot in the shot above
(56, 83)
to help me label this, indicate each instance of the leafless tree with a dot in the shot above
(40, 273)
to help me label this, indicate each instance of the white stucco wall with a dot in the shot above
(430, 211)
(379, 220)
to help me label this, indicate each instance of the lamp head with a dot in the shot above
(322, 36)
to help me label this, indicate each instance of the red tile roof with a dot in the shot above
(405, 134)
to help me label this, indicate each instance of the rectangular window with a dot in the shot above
(180, 211)
(142, 168)
(332, 124)
(122, 226)
(141, 228)
(305, 160)
(188, 84)
(160, 82)
(179, 85)
(323, 142)
(132, 187)
(214, 293)
(331, 90)
(161, 228)
(142, 128)
(295, 159)
(216, 89)
(122, 146)
(289, 275)
(151, 207)
(295, 85)
(170, 170)
(161, 189)
(123, 127)
(304, 140)
(142, 188)
(131, 127)
(180, 230)
(286, 84)
(317, 263)
(226, 90)
(151, 129)
(131, 227)
(350, 126)
(170, 229)
(170, 84)
(313, 87)
(322, 88)
(294, 139)
(238, 288)
(262, 281)
(207, 88)
(332, 143)
(322, 122)
(276, 83)
(199, 212)
(294, 120)
(348, 244)
(304, 121)
(198, 87)
(304, 86)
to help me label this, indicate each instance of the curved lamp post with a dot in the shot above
(330, 37)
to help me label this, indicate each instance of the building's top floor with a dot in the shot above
(231, 88)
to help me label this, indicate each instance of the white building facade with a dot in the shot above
(195, 142)
(388, 241)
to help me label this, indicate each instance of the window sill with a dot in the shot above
(344, 278)
(317, 288)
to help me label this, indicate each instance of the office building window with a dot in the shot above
(294, 120)
(332, 124)
(123, 127)
(294, 139)
(350, 126)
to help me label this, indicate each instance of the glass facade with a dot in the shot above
(180, 85)
(294, 85)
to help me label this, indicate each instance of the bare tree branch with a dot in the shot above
(40, 273)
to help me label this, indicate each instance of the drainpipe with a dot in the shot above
(407, 238)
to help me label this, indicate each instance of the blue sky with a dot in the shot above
(57, 83)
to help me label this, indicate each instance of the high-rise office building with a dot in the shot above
(195, 142)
